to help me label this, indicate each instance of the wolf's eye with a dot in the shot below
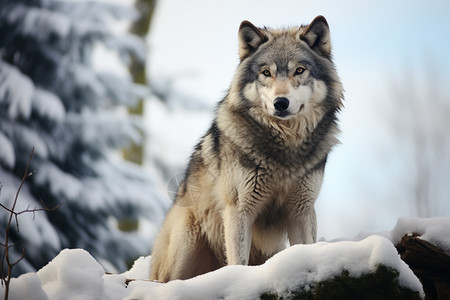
(299, 70)
(266, 73)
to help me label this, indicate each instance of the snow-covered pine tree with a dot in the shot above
(52, 98)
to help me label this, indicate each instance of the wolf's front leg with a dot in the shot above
(238, 235)
(302, 228)
(302, 223)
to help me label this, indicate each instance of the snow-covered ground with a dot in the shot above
(74, 274)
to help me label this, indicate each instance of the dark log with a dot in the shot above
(430, 264)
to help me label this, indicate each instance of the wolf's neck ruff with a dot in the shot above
(298, 144)
(259, 167)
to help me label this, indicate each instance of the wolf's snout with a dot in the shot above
(281, 104)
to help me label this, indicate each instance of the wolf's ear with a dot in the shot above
(250, 38)
(317, 36)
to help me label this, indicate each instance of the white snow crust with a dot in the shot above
(436, 231)
(75, 274)
(297, 267)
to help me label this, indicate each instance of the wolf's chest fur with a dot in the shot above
(270, 152)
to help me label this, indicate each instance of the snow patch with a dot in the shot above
(18, 99)
(73, 274)
(39, 23)
(7, 154)
(436, 231)
(297, 266)
(48, 105)
(67, 185)
(26, 286)
(140, 269)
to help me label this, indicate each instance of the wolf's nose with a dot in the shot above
(281, 103)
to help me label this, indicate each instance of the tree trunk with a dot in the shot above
(140, 27)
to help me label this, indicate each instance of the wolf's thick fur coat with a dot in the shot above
(253, 178)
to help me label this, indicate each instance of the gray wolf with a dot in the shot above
(253, 178)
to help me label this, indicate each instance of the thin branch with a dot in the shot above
(28, 210)
(20, 258)
(5, 280)
(45, 208)
(48, 209)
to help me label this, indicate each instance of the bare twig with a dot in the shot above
(28, 210)
(5, 280)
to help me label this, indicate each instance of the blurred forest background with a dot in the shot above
(113, 95)
(53, 97)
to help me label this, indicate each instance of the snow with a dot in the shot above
(436, 231)
(19, 99)
(297, 266)
(67, 186)
(48, 105)
(7, 155)
(75, 274)
(39, 23)
(26, 136)
(27, 286)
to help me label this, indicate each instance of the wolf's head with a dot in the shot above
(288, 72)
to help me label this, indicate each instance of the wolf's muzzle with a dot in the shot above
(281, 104)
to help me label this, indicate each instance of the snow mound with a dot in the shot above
(27, 286)
(295, 267)
(140, 269)
(436, 231)
(75, 274)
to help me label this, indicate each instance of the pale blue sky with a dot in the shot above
(374, 42)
